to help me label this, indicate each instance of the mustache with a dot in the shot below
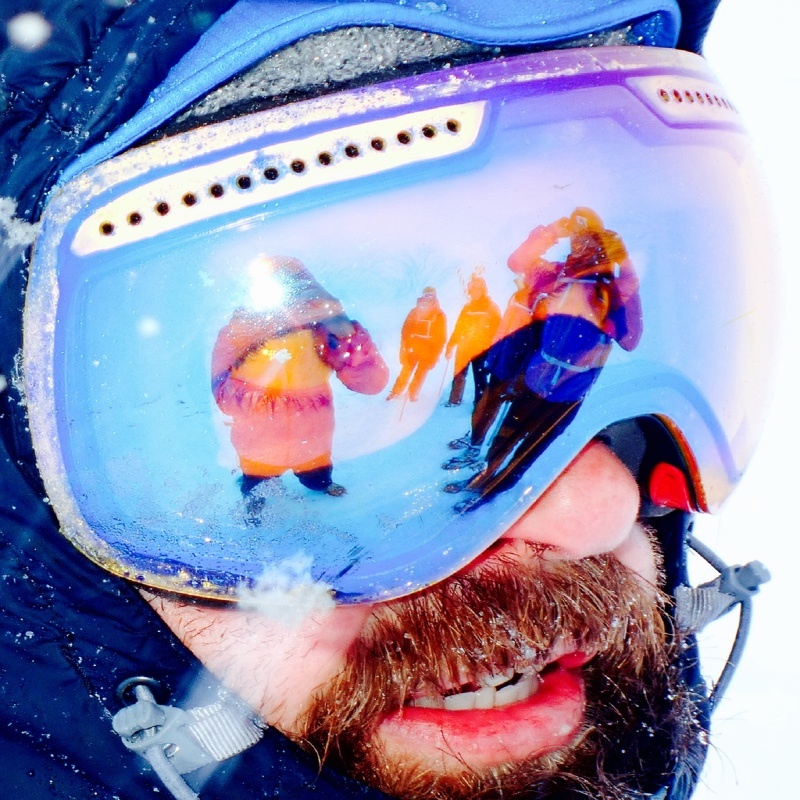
(510, 614)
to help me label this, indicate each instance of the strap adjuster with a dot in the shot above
(177, 741)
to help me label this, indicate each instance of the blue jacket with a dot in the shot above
(70, 632)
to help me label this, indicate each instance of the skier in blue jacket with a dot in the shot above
(159, 634)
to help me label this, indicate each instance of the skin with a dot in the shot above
(591, 509)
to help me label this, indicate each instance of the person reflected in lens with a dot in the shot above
(592, 301)
(514, 340)
(422, 341)
(271, 369)
(578, 309)
(473, 335)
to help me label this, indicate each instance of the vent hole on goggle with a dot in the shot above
(689, 96)
(244, 180)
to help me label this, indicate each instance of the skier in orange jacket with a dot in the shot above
(471, 339)
(422, 341)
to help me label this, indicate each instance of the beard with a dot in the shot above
(514, 615)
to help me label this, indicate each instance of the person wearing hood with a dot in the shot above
(422, 340)
(271, 371)
(578, 309)
(382, 643)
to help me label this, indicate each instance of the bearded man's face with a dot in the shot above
(541, 670)
(509, 677)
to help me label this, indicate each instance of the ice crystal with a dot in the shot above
(286, 592)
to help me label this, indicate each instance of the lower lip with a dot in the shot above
(545, 722)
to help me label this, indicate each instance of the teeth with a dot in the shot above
(505, 688)
(429, 701)
(488, 696)
(460, 702)
(521, 690)
(485, 697)
(496, 680)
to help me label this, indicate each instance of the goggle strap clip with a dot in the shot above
(696, 607)
(176, 741)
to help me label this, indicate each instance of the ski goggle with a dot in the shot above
(365, 332)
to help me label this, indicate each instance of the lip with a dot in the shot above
(477, 739)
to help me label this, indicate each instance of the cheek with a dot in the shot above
(275, 669)
(637, 553)
(285, 667)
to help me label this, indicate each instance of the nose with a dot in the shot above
(590, 509)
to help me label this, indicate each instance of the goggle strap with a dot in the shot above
(696, 607)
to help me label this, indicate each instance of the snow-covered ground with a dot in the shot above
(751, 48)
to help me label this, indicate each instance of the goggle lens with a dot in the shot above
(241, 342)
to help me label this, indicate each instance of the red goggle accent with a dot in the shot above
(668, 487)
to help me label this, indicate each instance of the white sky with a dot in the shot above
(752, 48)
